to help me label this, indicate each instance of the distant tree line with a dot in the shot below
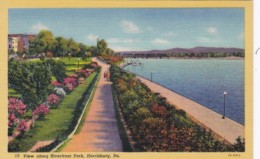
(59, 46)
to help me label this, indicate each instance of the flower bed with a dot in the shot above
(158, 126)
(19, 112)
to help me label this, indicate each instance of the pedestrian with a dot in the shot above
(108, 76)
(105, 74)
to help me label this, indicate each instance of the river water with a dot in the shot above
(202, 80)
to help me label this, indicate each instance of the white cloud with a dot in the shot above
(241, 36)
(159, 41)
(212, 30)
(119, 40)
(207, 40)
(129, 27)
(38, 27)
(92, 37)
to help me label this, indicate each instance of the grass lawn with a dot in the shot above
(57, 121)
(13, 93)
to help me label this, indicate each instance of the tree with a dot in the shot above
(101, 47)
(30, 79)
(44, 42)
(88, 54)
(93, 50)
(61, 46)
(73, 46)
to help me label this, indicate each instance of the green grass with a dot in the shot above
(13, 93)
(57, 121)
(74, 60)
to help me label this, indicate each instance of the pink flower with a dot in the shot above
(22, 126)
(41, 110)
(11, 120)
(16, 107)
(56, 84)
(69, 86)
(53, 99)
(70, 80)
(83, 73)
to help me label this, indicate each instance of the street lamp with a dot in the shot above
(78, 63)
(224, 113)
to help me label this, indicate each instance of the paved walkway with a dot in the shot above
(226, 128)
(100, 132)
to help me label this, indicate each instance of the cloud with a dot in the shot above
(241, 36)
(159, 41)
(119, 40)
(207, 40)
(129, 27)
(92, 37)
(212, 30)
(38, 27)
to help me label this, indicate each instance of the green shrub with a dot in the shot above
(14, 146)
(58, 69)
(30, 79)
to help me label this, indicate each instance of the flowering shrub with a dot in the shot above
(73, 76)
(159, 110)
(53, 100)
(69, 87)
(83, 73)
(12, 122)
(41, 111)
(16, 107)
(59, 91)
(56, 84)
(70, 80)
(22, 126)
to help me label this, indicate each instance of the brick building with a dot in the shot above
(19, 42)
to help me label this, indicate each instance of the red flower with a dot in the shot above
(56, 84)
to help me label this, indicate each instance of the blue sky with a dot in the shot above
(137, 29)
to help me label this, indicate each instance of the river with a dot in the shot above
(202, 80)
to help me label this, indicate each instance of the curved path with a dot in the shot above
(99, 132)
(225, 128)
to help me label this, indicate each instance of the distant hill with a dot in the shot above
(191, 52)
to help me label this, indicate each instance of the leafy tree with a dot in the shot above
(93, 50)
(61, 46)
(73, 46)
(30, 79)
(101, 47)
(44, 42)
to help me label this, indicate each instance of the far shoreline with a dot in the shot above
(192, 58)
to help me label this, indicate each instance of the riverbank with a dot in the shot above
(226, 129)
(192, 58)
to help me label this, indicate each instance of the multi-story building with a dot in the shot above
(19, 42)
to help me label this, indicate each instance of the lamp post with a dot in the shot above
(151, 76)
(224, 112)
(78, 63)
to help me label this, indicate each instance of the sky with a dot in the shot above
(137, 29)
